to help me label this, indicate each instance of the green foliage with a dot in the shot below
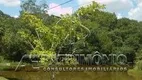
(70, 61)
(2, 78)
(44, 39)
(88, 29)
(138, 65)
(1, 59)
(30, 6)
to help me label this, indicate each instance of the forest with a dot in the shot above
(88, 29)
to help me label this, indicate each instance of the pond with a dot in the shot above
(21, 75)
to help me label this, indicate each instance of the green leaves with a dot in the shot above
(30, 6)
(89, 9)
(88, 29)
(46, 40)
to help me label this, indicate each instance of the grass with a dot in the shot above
(135, 72)
(10, 65)
(2, 78)
(6, 65)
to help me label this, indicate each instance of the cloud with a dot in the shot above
(59, 10)
(136, 13)
(10, 3)
(16, 16)
(139, 1)
(119, 5)
(119, 15)
(112, 5)
(80, 2)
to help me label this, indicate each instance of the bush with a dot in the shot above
(1, 59)
(138, 65)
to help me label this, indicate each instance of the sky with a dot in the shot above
(131, 9)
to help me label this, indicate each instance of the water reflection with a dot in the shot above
(68, 76)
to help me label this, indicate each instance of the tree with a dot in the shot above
(31, 6)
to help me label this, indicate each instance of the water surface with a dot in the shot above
(22, 75)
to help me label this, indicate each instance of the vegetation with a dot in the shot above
(88, 29)
(1, 78)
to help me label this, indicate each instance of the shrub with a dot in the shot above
(138, 65)
(1, 59)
